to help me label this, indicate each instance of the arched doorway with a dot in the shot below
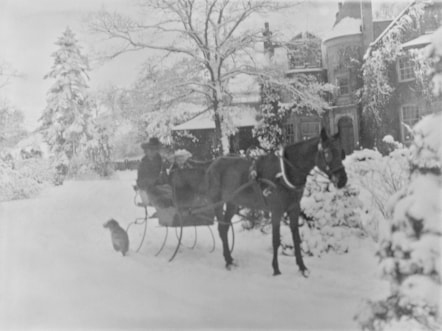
(345, 127)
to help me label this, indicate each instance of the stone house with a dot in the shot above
(352, 38)
(304, 57)
(336, 59)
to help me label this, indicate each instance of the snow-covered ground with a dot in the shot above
(59, 271)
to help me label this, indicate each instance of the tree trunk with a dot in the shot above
(218, 146)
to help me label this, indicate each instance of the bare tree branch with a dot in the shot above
(211, 34)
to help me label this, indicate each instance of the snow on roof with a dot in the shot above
(186, 107)
(245, 117)
(393, 23)
(243, 84)
(347, 26)
(418, 42)
(388, 28)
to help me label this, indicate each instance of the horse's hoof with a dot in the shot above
(276, 273)
(231, 265)
(305, 273)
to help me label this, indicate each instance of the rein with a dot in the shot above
(222, 201)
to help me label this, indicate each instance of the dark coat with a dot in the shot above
(149, 171)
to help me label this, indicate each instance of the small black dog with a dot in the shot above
(120, 240)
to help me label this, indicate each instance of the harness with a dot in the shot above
(329, 171)
(282, 174)
(283, 161)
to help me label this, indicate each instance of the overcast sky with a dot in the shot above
(29, 29)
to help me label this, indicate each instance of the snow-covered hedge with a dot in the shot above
(410, 254)
(378, 177)
(25, 178)
(359, 209)
(332, 215)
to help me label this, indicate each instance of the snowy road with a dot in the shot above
(58, 270)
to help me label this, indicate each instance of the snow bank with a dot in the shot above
(59, 271)
(23, 179)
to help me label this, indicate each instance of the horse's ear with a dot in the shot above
(323, 135)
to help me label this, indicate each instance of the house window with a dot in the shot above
(310, 129)
(410, 116)
(296, 59)
(289, 133)
(344, 85)
(405, 69)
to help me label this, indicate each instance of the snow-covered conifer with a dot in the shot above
(66, 118)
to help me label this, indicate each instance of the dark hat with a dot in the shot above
(152, 143)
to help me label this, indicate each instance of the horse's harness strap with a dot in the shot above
(282, 174)
(253, 176)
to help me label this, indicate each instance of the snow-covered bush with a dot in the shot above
(98, 152)
(80, 167)
(388, 145)
(410, 255)
(25, 179)
(39, 169)
(332, 215)
(360, 208)
(378, 178)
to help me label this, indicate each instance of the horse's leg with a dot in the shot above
(223, 228)
(293, 214)
(276, 240)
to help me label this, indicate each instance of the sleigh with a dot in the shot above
(180, 206)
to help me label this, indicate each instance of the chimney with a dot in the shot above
(269, 49)
(339, 13)
(367, 23)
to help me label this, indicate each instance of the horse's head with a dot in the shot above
(329, 158)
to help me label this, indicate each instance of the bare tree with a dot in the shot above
(211, 39)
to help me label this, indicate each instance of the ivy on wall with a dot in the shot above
(279, 101)
(379, 92)
(270, 133)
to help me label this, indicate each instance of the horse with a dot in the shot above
(273, 183)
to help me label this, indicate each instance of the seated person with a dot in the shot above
(149, 174)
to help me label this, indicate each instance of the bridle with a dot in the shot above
(328, 173)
